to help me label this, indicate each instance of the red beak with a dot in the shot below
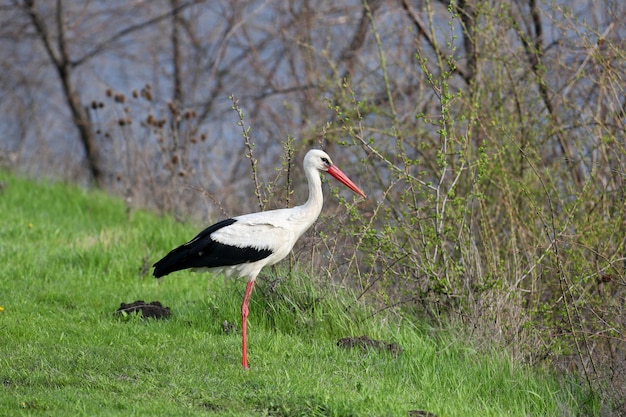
(343, 178)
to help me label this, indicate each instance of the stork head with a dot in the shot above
(320, 160)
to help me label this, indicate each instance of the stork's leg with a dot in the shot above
(244, 319)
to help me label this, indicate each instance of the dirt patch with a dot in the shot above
(365, 343)
(153, 310)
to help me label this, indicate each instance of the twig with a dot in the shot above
(210, 196)
(245, 132)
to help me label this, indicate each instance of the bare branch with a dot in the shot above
(534, 50)
(423, 31)
(102, 46)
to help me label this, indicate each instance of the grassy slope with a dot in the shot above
(70, 257)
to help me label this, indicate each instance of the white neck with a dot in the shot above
(313, 206)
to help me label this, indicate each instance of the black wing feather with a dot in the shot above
(204, 252)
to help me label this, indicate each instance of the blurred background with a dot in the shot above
(488, 135)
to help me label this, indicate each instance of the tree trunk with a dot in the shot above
(59, 57)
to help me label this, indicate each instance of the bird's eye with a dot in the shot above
(326, 161)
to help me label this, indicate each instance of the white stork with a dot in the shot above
(243, 245)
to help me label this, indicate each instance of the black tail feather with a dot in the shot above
(190, 255)
(204, 252)
(176, 260)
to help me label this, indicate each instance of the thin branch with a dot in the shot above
(534, 51)
(245, 131)
(102, 46)
(42, 30)
(350, 54)
(383, 60)
(423, 31)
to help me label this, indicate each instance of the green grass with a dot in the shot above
(69, 257)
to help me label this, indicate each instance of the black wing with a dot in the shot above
(204, 252)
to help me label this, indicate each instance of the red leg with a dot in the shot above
(244, 319)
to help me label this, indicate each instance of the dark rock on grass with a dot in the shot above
(229, 327)
(421, 413)
(147, 310)
(365, 343)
